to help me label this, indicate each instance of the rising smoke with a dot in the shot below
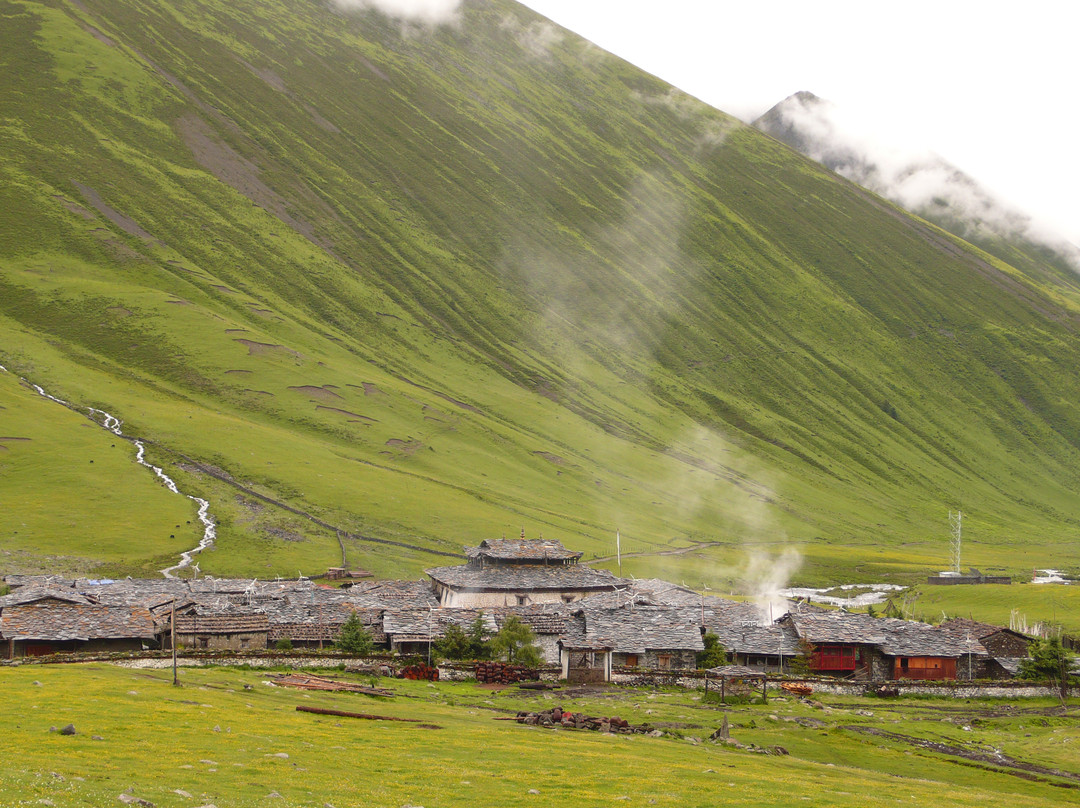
(424, 12)
(765, 576)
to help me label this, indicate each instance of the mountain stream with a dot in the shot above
(112, 423)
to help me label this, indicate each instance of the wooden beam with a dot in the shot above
(323, 711)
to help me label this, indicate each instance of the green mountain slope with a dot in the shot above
(384, 291)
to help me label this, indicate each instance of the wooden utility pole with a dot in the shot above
(172, 642)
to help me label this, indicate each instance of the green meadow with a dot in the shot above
(228, 738)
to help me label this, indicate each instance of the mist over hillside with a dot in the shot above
(380, 285)
(918, 180)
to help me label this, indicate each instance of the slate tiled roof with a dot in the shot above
(524, 577)
(837, 627)
(908, 638)
(54, 620)
(975, 628)
(222, 623)
(544, 618)
(734, 672)
(635, 631)
(1010, 665)
(34, 593)
(666, 593)
(420, 624)
(522, 550)
(394, 594)
(310, 623)
(40, 581)
(771, 640)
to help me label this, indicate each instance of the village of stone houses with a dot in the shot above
(588, 625)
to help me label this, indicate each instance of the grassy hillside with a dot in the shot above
(427, 286)
(227, 738)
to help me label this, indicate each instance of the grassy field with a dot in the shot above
(227, 738)
(1045, 603)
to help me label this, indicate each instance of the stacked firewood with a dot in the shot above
(421, 672)
(501, 673)
(308, 682)
(556, 717)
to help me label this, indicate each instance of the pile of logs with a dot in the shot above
(555, 717)
(306, 681)
(500, 673)
(796, 689)
(421, 672)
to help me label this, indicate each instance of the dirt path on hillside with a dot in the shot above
(676, 551)
(997, 761)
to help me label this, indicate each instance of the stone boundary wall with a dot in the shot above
(630, 677)
(695, 680)
(251, 662)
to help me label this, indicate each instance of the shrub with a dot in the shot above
(354, 638)
(516, 639)
(284, 644)
(1048, 659)
(714, 654)
(460, 644)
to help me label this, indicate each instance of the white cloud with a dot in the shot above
(911, 176)
(428, 12)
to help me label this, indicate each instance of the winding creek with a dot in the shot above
(113, 424)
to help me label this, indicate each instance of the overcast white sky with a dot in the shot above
(992, 87)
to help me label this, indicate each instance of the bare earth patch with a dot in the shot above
(263, 348)
(76, 209)
(125, 223)
(347, 414)
(408, 447)
(316, 392)
(551, 458)
(241, 174)
(236, 372)
(267, 75)
(100, 37)
(320, 121)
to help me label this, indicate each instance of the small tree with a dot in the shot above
(800, 665)
(354, 638)
(714, 654)
(454, 644)
(1048, 659)
(516, 640)
(284, 644)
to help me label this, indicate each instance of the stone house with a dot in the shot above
(920, 651)
(49, 622)
(660, 637)
(415, 631)
(1004, 647)
(216, 625)
(523, 572)
(843, 644)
